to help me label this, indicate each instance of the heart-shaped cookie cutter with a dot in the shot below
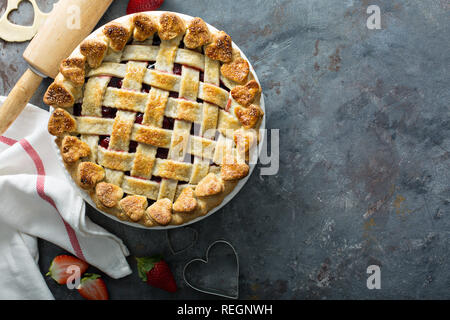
(205, 261)
(170, 243)
(16, 33)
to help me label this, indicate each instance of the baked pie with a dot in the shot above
(154, 115)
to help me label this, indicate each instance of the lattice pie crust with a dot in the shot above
(154, 117)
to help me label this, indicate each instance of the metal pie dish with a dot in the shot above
(240, 184)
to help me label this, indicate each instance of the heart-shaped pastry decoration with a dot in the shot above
(16, 33)
(248, 116)
(60, 122)
(217, 274)
(59, 94)
(133, 207)
(144, 27)
(94, 51)
(160, 211)
(181, 239)
(73, 149)
(245, 95)
(237, 70)
(234, 171)
(117, 34)
(221, 49)
(108, 194)
(197, 34)
(88, 174)
(209, 186)
(74, 69)
(186, 202)
(170, 26)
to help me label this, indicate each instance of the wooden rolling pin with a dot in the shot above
(55, 41)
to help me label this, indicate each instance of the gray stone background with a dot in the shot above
(364, 143)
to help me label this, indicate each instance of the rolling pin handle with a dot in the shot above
(18, 98)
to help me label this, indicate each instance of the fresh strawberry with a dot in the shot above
(143, 5)
(92, 287)
(60, 264)
(156, 272)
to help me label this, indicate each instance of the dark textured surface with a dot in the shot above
(364, 144)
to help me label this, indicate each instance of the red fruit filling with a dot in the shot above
(162, 153)
(104, 141)
(139, 118)
(132, 147)
(156, 179)
(146, 88)
(108, 112)
(173, 94)
(115, 83)
(168, 123)
(77, 109)
(177, 69)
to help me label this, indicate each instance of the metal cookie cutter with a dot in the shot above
(206, 279)
(171, 239)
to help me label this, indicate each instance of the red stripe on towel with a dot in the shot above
(7, 141)
(40, 188)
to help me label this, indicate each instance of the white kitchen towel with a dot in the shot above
(37, 201)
